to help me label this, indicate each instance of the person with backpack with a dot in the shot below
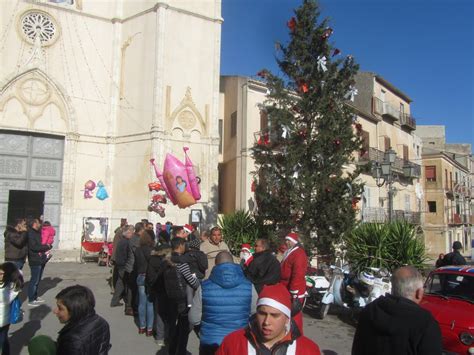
(155, 286)
(176, 276)
(11, 283)
(197, 262)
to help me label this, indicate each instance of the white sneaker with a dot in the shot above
(33, 304)
(39, 300)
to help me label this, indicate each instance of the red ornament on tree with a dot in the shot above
(302, 86)
(291, 24)
(336, 52)
(264, 140)
(327, 32)
(355, 201)
(358, 128)
(263, 73)
(337, 142)
(253, 187)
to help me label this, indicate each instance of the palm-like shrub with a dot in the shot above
(238, 228)
(385, 245)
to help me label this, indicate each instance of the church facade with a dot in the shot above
(93, 90)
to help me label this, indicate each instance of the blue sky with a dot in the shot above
(424, 47)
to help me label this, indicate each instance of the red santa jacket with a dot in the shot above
(293, 271)
(241, 342)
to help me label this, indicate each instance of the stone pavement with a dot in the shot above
(333, 334)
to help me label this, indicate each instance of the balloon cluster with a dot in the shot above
(157, 199)
(89, 188)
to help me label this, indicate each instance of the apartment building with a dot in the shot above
(383, 112)
(448, 184)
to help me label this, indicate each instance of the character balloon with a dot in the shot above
(179, 180)
(101, 193)
(89, 188)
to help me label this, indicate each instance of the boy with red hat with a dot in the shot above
(271, 330)
(293, 274)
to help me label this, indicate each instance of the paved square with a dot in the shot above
(332, 335)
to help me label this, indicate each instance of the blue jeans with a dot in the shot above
(36, 275)
(19, 263)
(145, 307)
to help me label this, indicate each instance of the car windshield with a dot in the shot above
(451, 285)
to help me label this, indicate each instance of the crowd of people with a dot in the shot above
(176, 282)
(84, 332)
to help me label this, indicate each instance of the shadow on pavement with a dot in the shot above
(329, 352)
(22, 336)
(46, 284)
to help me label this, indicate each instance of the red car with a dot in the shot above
(449, 296)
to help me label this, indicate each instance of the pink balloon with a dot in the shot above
(179, 180)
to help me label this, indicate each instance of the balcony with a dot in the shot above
(407, 121)
(380, 215)
(375, 155)
(386, 110)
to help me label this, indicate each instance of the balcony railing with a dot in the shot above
(380, 215)
(407, 120)
(385, 109)
(375, 155)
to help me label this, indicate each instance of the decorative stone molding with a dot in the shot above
(187, 117)
(35, 91)
(37, 23)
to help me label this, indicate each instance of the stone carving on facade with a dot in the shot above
(37, 24)
(187, 117)
(34, 93)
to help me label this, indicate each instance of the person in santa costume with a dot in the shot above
(271, 330)
(246, 255)
(293, 271)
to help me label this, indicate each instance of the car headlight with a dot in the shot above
(466, 338)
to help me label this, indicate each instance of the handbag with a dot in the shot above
(16, 314)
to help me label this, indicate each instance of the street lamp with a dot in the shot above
(384, 171)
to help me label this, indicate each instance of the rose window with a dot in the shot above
(38, 24)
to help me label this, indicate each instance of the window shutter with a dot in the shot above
(430, 172)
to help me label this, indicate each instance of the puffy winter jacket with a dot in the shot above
(16, 244)
(89, 336)
(226, 302)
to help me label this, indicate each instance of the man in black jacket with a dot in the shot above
(455, 257)
(16, 243)
(37, 261)
(264, 268)
(396, 324)
(121, 256)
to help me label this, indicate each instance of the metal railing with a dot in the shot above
(385, 109)
(380, 215)
(375, 155)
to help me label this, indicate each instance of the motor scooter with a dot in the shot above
(316, 286)
(354, 292)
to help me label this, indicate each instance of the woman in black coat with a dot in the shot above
(85, 332)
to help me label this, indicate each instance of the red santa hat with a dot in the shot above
(246, 247)
(276, 296)
(188, 228)
(293, 237)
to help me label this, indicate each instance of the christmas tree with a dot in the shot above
(304, 180)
